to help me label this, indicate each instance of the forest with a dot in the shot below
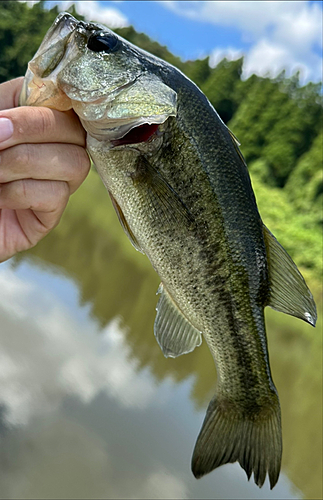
(278, 122)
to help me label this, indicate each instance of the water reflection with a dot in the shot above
(50, 354)
(81, 420)
(90, 408)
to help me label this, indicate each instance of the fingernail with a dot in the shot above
(6, 129)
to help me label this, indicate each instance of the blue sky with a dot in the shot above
(271, 35)
(185, 37)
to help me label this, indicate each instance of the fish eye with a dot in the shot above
(102, 42)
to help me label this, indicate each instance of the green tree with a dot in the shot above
(248, 123)
(305, 185)
(21, 31)
(278, 121)
(220, 87)
(198, 70)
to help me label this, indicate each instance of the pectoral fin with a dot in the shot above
(174, 333)
(165, 203)
(124, 224)
(288, 290)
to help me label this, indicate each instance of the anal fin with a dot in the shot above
(288, 291)
(174, 333)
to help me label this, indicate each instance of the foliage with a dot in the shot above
(220, 87)
(305, 184)
(278, 121)
(22, 29)
(297, 231)
(198, 70)
(278, 124)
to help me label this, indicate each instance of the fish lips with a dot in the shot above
(39, 87)
(124, 132)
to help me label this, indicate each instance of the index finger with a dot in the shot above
(35, 125)
(9, 93)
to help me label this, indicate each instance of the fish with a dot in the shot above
(181, 189)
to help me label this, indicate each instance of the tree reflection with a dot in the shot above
(90, 247)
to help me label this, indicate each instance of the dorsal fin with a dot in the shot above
(236, 145)
(288, 290)
(174, 333)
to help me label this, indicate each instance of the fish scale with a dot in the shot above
(183, 195)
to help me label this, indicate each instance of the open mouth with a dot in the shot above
(137, 134)
(123, 132)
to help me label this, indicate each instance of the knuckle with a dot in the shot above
(57, 203)
(78, 167)
(82, 162)
(44, 122)
(55, 197)
(64, 192)
(24, 154)
(59, 196)
(34, 121)
(14, 159)
(17, 190)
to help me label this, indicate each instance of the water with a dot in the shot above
(90, 408)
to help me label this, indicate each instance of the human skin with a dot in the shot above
(43, 160)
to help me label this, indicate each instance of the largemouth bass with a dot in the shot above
(182, 192)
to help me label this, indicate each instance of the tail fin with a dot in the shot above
(230, 434)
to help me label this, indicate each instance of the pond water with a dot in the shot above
(89, 406)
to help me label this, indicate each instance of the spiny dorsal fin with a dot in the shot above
(288, 291)
(174, 333)
(236, 144)
(124, 223)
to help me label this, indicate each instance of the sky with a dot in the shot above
(272, 35)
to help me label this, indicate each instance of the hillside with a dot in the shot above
(277, 121)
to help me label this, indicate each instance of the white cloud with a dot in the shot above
(13, 292)
(218, 54)
(64, 459)
(281, 34)
(47, 354)
(51, 354)
(268, 57)
(30, 3)
(165, 485)
(95, 11)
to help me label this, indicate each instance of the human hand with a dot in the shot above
(42, 162)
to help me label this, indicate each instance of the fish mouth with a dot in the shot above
(38, 89)
(116, 100)
(48, 79)
(100, 120)
(141, 133)
(124, 132)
